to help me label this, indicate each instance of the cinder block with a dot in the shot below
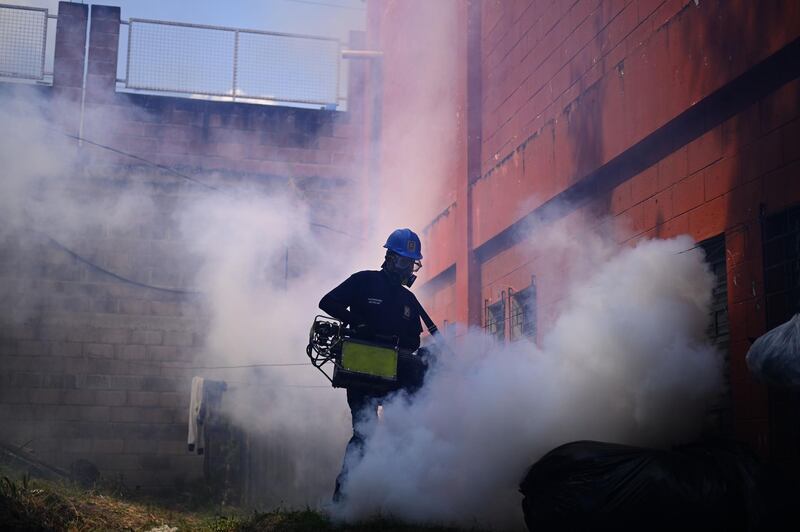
(790, 148)
(103, 40)
(75, 366)
(126, 382)
(162, 352)
(116, 462)
(12, 396)
(173, 400)
(111, 397)
(27, 380)
(114, 336)
(178, 338)
(98, 350)
(94, 413)
(621, 198)
(174, 447)
(141, 446)
(162, 384)
(780, 107)
(45, 396)
(147, 337)
(131, 352)
(164, 308)
(94, 382)
(54, 412)
(708, 219)
(99, 27)
(705, 150)
(644, 185)
(147, 399)
(126, 414)
(689, 193)
(79, 397)
(720, 177)
(154, 462)
(743, 203)
(107, 446)
(156, 415)
(59, 380)
(33, 348)
(66, 349)
(76, 445)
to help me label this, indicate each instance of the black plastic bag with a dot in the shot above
(775, 356)
(588, 485)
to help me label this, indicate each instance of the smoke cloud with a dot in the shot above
(255, 255)
(626, 361)
(262, 296)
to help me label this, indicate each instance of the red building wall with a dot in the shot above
(675, 116)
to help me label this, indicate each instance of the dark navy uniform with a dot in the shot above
(386, 309)
(378, 308)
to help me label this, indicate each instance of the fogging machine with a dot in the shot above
(365, 365)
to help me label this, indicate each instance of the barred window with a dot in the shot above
(781, 241)
(718, 332)
(523, 313)
(495, 319)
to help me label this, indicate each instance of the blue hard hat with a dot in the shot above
(404, 242)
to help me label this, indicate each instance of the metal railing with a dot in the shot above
(231, 63)
(23, 42)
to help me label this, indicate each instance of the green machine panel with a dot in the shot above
(369, 359)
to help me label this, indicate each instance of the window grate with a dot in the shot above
(782, 266)
(781, 237)
(495, 318)
(721, 412)
(523, 313)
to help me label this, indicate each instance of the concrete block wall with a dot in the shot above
(89, 365)
(92, 366)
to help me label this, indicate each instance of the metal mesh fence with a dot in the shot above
(229, 62)
(287, 68)
(23, 34)
(180, 58)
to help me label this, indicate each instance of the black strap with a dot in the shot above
(432, 328)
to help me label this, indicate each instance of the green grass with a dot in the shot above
(34, 504)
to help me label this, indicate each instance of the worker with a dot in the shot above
(377, 306)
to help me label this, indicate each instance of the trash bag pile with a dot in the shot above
(775, 356)
(589, 485)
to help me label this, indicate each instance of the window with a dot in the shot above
(782, 297)
(495, 318)
(721, 414)
(782, 266)
(523, 313)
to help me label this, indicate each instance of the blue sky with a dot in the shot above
(328, 18)
(324, 18)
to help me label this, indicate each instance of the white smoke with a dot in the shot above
(255, 255)
(626, 361)
(263, 269)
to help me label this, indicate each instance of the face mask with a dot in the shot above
(404, 263)
(401, 275)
